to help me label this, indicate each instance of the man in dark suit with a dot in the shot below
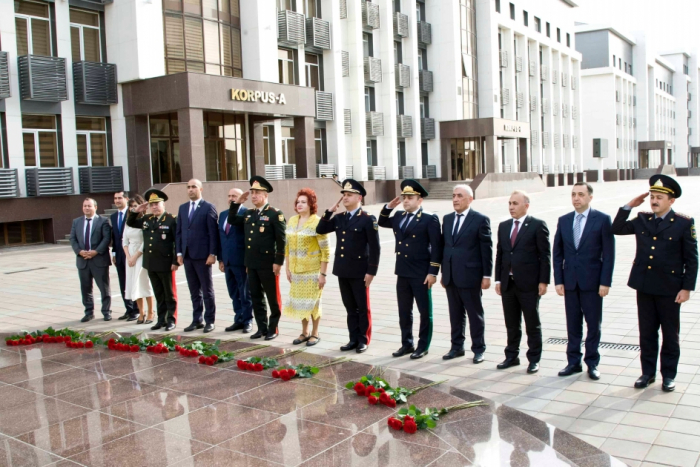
(118, 219)
(232, 263)
(523, 264)
(265, 239)
(664, 271)
(196, 244)
(467, 263)
(418, 256)
(357, 252)
(584, 257)
(89, 237)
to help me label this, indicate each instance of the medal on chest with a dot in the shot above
(163, 236)
(262, 229)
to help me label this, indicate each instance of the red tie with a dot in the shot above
(514, 235)
(228, 227)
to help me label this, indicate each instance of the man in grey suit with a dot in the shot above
(90, 237)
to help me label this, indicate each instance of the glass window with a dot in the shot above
(266, 144)
(33, 28)
(548, 31)
(568, 39)
(367, 44)
(165, 149)
(399, 103)
(538, 24)
(85, 36)
(312, 9)
(320, 143)
(313, 72)
(224, 146)
(525, 18)
(39, 140)
(421, 59)
(92, 141)
(285, 62)
(288, 153)
(558, 35)
(512, 11)
(498, 6)
(286, 5)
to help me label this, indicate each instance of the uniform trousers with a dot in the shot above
(654, 311)
(100, 274)
(264, 282)
(519, 304)
(466, 303)
(162, 283)
(580, 305)
(409, 289)
(237, 283)
(356, 301)
(201, 285)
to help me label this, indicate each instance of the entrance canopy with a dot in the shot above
(476, 127)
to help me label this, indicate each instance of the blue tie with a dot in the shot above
(119, 227)
(191, 212)
(577, 230)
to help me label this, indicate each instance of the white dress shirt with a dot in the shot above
(353, 212)
(460, 219)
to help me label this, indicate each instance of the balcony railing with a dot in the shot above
(318, 34)
(280, 172)
(425, 81)
(290, 28)
(42, 78)
(373, 70)
(427, 128)
(425, 33)
(404, 126)
(4, 76)
(324, 106)
(429, 171)
(403, 76)
(370, 15)
(9, 184)
(503, 58)
(375, 123)
(505, 96)
(325, 170)
(349, 171)
(518, 64)
(400, 25)
(376, 172)
(49, 181)
(95, 83)
(100, 179)
(406, 171)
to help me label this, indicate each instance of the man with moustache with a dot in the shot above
(118, 219)
(664, 272)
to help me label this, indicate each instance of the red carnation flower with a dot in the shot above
(215, 358)
(382, 390)
(259, 367)
(408, 418)
(112, 341)
(202, 359)
(8, 343)
(395, 423)
(210, 361)
(384, 397)
(45, 336)
(81, 344)
(135, 348)
(410, 427)
(194, 353)
(275, 374)
(67, 339)
(292, 372)
(164, 350)
(372, 400)
(285, 377)
(370, 389)
(391, 403)
(89, 344)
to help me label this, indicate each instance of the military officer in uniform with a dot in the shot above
(159, 253)
(356, 260)
(418, 255)
(663, 273)
(264, 229)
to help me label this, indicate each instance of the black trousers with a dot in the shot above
(263, 282)
(518, 304)
(465, 303)
(100, 274)
(356, 300)
(129, 305)
(580, 305)
(201, 285)
(162, 283)
(407, 290)
(654, 311)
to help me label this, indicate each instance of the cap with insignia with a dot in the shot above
(412, 187)
(660, 183)
(352, 186)
(155, 196)
(259, 183)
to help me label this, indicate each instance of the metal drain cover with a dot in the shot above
(602, 345)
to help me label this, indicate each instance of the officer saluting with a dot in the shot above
(663, 273)
(264, 228)
(418, 256)
(356, 260)
(158, 253)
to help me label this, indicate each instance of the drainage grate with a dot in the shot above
(603, 345)
(25, 270)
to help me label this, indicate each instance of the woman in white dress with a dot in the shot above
(138, 286)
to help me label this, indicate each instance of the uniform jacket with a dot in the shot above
(231, 246)
(418, 249)
(529, 258)
(158, 240)
(117, 235)
(100, 236)
(666, 261)
(199, 238)
(305, 248)
(357, 248)
(468, 258)
(264, 235)
(591, 265)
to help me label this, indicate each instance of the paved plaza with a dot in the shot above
(40, 288)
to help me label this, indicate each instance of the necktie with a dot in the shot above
(658, 221)
(349, 216)
(577, 230)
(191, 212)
(456, 228)
(87, 235)
(119, 227)
(406, 222)
(228, 228)
(514, 234)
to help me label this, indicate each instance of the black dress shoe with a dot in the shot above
(403, 351)
(124, 316)
(533, 367)
(570, 370)
(193, 326)
(348, 346)
(644, 381)
(248, 329)
(669, 385)
(107, 318)
(209, 327)
(361, 348)
(508, 362)
(270, 336)
(131, 318)
(419, 354)
(234, 327)
(478, 357)
(593, 373)
(170, 327)
(157, 326)
(87, 318)
(258, 335)
(453, 354)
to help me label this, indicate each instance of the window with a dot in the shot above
(424, 108)
(312, 8)
(165, 148)
(313, 72)
(288, 153)
(286, 65)
(525, 19)
(266, 144)
(21, 233)
(422, 59)
(285, 5)
(367, 46)
(369, 99)
(615, 61)
(420, 11)
(320, 140)
(92, 141)
(399, 103)
(558, 35)
(401, 152)
(224, 146)
(512, 11)
(398, 53)
(568, 39)
(39, 140)
(630, 68)
(619, 63)
(498, 6)
(85, 36)
(548, 30)
(371, 152)
(538, 24)
(32, 23)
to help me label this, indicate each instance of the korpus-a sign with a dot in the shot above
(256, 96)
(512, 128)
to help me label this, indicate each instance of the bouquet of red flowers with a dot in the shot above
(195, 347)
(127, 344)
(47, 336)
(263, 363)
(413, 419)
(213, 355)
(20, 339)
(287, 372)
(378, 390)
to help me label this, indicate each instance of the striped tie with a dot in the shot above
(577, 230)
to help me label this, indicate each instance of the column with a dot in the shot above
(493, 165)
(138, 152)
(305, 147)
(191, 128)
(256, 145)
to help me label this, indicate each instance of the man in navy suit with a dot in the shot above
(196, 245)
(231, 262)
(584, 257)
(467, 262)
(118, 219)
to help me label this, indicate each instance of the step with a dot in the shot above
(63, 241)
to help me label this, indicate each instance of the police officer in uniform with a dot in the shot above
(264, 228)
(159, 253)
(418, 255)
(664, 272)
(356, 260)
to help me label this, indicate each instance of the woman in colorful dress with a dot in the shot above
(138, 286)
(306, 260)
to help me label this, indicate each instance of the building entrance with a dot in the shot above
(466, 158)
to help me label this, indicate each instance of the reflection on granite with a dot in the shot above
(97, 407)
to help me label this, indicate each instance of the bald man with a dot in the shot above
(231, 263)
(196, 245)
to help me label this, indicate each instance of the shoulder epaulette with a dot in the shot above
(684, 216)
(647, 213)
